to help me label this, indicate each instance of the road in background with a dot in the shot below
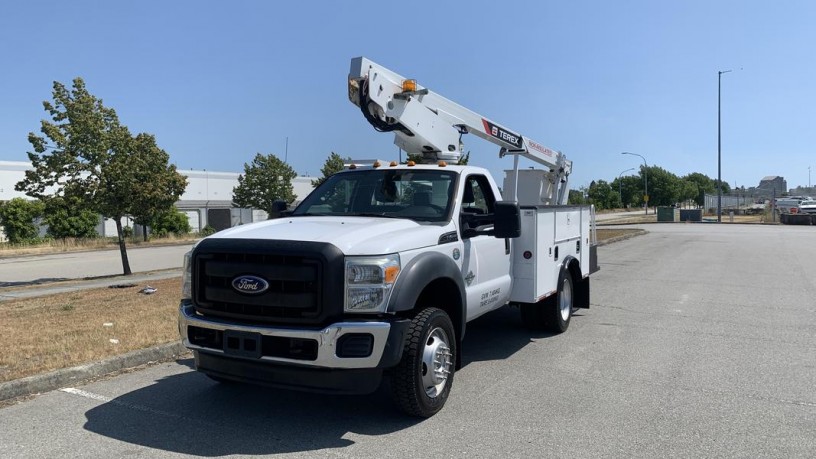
(79, 265)
(699, 343)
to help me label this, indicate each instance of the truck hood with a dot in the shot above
(352, 235)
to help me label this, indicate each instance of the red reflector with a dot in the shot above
(528, 254)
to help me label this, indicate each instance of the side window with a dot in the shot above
(477, 197)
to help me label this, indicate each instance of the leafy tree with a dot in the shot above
(17, 217)
(601, 194)
(68, 217)
(664, 186)
(170, 222)
(463, 160)
(160, 184)
(263, 182)
(704, 185)
(333, 165)
(88, 155)
(630, 190)
(576, 197)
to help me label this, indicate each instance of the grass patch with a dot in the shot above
(606, 234)
(59, 331)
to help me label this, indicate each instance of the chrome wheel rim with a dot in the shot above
(436, 362)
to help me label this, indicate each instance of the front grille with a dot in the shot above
(299, 280)
(293, 292)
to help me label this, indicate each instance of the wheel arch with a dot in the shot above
(431, 279)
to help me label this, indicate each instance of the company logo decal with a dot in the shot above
(502, 134)
(250, 284)
(456, 254)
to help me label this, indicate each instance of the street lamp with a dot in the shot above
(645, 179)
(719, 146)
(620, 185)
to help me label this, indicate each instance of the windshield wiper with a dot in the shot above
(373, 214)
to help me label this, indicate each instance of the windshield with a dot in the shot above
(422, 195)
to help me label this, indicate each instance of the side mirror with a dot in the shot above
(279, 205)
(508, 220)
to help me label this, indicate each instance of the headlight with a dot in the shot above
(187, 277)
(369, 281)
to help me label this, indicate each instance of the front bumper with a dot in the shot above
(386, 351)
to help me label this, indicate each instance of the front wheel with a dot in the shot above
(422, 380)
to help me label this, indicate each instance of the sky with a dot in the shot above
(218, 82)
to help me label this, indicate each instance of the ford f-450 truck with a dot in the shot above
(378, 271)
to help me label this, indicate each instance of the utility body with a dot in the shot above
(378, 271)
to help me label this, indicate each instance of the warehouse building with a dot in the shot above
(207, 199)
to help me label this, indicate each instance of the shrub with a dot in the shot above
(17, 218)
(207, 231)
(170, 222)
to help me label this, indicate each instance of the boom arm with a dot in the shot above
(426, 123)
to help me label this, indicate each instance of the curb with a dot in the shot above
(69, 376)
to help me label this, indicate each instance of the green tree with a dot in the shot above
(17, 218)
(87, 154)
(159, 183)
(664, 186)
(704, 184)
(69, 217)
(263, 182)
(334, 164)
(602, 196)
(170, 221)
(576, 197)
(629, 189)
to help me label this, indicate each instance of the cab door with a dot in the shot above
(486, 259)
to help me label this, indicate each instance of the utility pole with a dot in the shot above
(719, 146)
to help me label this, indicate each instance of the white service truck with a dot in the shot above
(378, 271)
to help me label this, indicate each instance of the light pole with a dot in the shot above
(645, 179)
(719, 146)
(620, 185)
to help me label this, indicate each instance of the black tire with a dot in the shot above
(417, 389)
(552, 314)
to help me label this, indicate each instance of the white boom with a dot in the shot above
(426, 123)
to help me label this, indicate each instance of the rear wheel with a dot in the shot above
(553, 313)
(421, 382)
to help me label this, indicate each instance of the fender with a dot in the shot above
(417, 274)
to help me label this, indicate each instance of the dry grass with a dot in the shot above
(59, 331)
(605, 234)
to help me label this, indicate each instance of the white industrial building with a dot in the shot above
(206, 200)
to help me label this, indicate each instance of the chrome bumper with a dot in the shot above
(326, 339)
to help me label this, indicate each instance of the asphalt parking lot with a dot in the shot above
(699, 343)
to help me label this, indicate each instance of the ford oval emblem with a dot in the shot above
(250, 284)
